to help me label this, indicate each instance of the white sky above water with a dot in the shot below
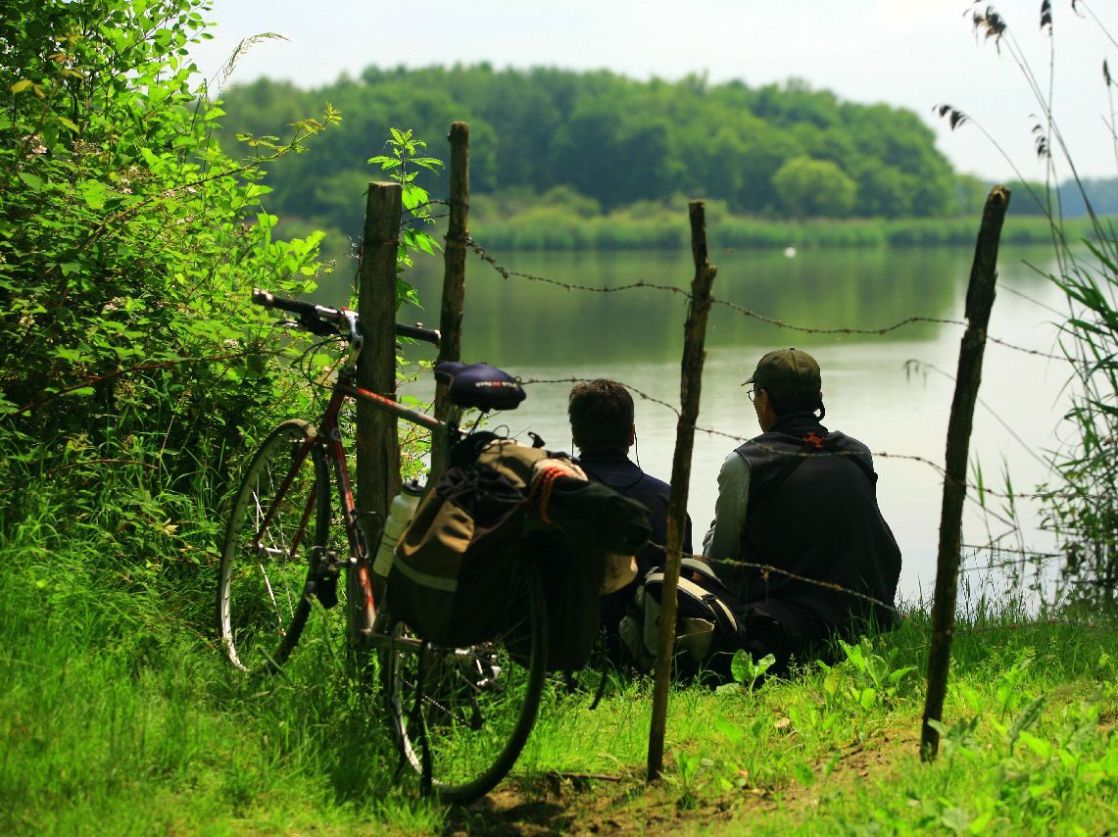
(910, 53)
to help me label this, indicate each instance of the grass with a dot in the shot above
(118, 714)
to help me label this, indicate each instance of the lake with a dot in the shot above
(541, 332)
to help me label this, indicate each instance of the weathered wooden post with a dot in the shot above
(690, 386)
(454, 278)
(980, 299)
(378, 447)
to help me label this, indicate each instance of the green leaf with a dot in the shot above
(741, 666)
(1038, 745)
(94, 193)
(731, 730)
(21, 85)
(80, 391)
(32, 180)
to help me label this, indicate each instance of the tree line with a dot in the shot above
(778, 151)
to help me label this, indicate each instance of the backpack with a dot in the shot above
(710, 622)
(500, 503)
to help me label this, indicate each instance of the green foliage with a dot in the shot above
(556, 220)
(867, 680)
(125, 230)
(406, 152)
(747, 671)
(1083, 500)
(807, 187)
(614, 140)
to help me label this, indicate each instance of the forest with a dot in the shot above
(568, 160)
(783, 151)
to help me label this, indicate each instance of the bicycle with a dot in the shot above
(459, 716)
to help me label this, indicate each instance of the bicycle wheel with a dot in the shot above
(466, 713)
(273, 546)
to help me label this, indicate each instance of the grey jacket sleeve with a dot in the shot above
(723, 539)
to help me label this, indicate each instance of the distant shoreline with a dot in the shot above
(547, 231)
(556, 231)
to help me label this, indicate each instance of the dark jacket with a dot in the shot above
(813, 511)
(623, 476)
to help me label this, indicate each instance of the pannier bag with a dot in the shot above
(455, 560)
(501, 503)
(709, 622)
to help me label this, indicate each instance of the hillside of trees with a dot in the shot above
(779, 152)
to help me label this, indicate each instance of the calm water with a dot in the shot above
(542, 332)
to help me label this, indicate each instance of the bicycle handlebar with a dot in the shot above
(311, 314)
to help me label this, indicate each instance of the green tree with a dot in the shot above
(613, 139)
(807, 187)
(125, 233)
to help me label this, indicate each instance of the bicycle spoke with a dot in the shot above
(277, 526)
(465, 713)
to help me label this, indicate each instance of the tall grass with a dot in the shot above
(1083, 504)
(117, 711)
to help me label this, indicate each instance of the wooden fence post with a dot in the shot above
(690, 386)
(378, 448)
(980, 299)
(454, 278)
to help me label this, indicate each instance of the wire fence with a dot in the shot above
(978, 494)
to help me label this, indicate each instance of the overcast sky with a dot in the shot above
(911, 53)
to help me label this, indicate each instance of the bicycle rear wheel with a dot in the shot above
(274, 545)
(461, 716)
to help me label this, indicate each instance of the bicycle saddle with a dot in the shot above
(480, 385)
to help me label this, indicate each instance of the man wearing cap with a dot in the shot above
(801, 499)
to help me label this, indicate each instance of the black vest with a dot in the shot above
(813, 511)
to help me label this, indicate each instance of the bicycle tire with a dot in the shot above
(263, 599)
(478, 704)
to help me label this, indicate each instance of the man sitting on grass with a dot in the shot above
(801, 502)
(603, 428)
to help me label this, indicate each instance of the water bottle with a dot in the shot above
(400, 514)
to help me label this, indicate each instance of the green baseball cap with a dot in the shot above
(787, 372)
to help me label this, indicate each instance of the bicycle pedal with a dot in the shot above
(324, 585)
(327, 591)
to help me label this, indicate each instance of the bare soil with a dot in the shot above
(553, 803)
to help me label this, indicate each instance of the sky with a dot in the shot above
(907, 53)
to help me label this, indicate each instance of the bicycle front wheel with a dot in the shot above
(273, 547)
(461, 716)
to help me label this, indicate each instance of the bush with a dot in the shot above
(129, 245)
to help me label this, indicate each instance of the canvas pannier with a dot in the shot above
(501, 503)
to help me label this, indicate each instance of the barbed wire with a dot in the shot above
(1007, 563)
(770, 568)
(710, 431)
(508, 273)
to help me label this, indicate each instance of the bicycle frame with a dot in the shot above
(361, 598)
(291, 559)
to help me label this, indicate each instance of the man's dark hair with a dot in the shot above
(601, 414)
(798, 403)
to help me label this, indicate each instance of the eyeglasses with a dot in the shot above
(749, 392)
